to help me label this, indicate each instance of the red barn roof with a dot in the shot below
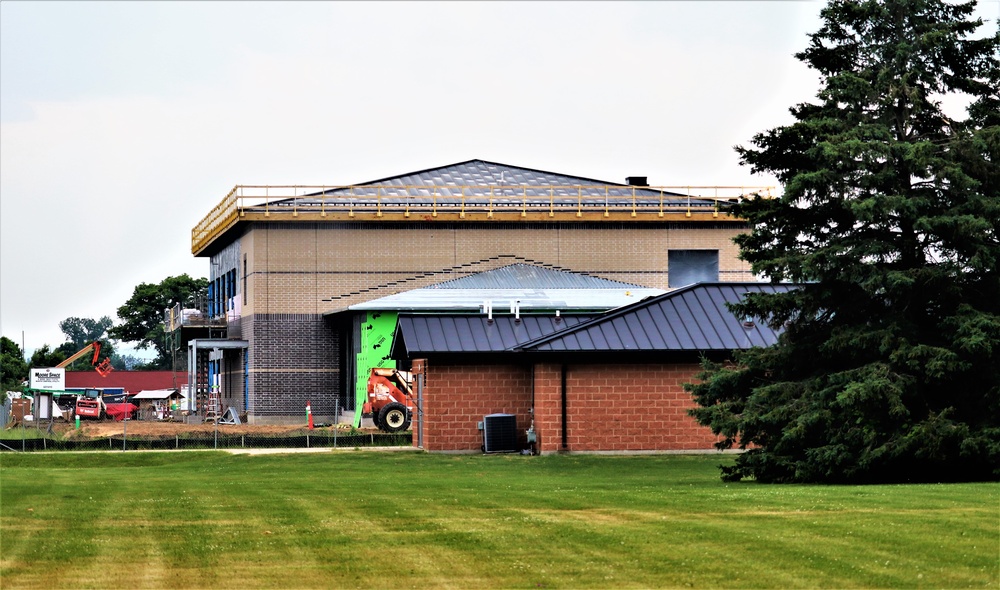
(130, 381)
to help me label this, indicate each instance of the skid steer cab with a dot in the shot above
(390, 399)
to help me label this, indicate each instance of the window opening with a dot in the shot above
(686, 267)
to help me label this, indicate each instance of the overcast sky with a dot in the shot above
(123, 123)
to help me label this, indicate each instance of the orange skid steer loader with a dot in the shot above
(390, 399)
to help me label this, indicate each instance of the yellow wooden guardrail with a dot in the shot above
(373, 202)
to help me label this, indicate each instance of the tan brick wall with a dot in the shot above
(316, 268)
(305, 270)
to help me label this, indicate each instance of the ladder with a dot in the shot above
(213, 410)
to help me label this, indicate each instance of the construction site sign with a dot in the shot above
(51, 378)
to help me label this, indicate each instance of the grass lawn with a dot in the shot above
(407, 520)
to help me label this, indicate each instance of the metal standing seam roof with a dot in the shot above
(472, 300)
(420, 335)
(692, 319)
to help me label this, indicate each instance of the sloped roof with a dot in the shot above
(473, 191)
(692, 319)
(533, 287)
(130, 381)
(530, 276)
(157, 394)
(482, 173)
(427, 335)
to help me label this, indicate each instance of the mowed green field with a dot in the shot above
(410, 520)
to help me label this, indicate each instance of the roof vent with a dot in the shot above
(636, 181)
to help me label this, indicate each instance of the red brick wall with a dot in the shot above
(632, 408)
(609, 407)
(548, 407)
(456, 398)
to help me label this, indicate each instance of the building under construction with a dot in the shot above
(292, 267)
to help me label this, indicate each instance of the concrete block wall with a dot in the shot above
(232, 381)
(294, 358)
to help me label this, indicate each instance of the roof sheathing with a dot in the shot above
(466, 192)
(482, 172)
(531, 276)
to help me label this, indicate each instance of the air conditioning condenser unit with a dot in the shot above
(500, 433)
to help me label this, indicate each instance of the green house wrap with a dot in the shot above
(377, 331)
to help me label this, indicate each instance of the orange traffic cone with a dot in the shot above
(309, 414)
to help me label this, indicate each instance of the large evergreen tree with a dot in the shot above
(889, 365)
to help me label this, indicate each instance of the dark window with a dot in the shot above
(686, 267)
(244, 279)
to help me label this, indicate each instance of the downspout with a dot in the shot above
(420, 407)
(211, 382)
(530, 434)
(246, 381)
(565, 436)
(192, 376)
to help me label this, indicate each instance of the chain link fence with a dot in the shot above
(24, 435)
(27, 438)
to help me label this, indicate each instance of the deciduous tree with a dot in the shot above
(82, 331)
(13, 368)
(44, 356)
(889, 365)
(142, 315)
